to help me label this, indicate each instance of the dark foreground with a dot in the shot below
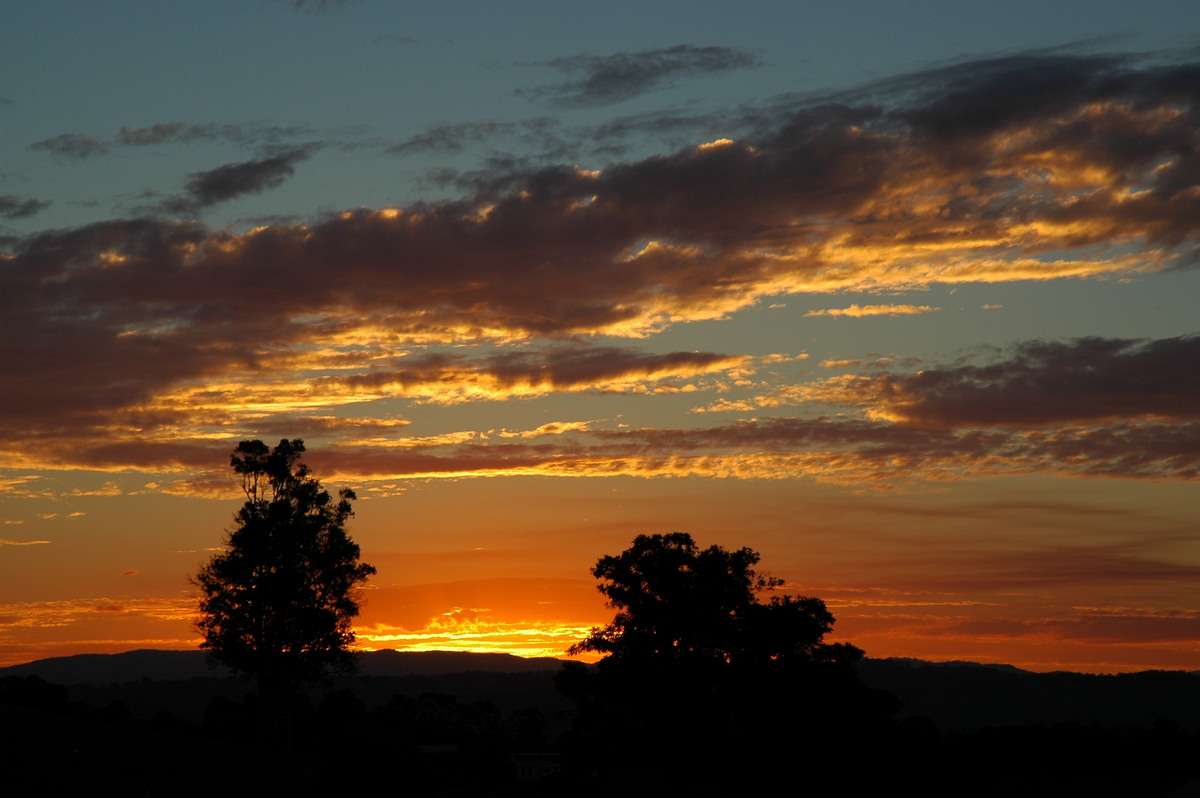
(964, 731)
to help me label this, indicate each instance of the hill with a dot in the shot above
(965, 696)
(956, 696)
(132, 666)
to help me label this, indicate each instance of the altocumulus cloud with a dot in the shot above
(621, 76)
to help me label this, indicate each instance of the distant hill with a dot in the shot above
(967, 696)
(132, 666)
(957, 696)
(436, 663)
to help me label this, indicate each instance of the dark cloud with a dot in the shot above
(14, 207)
(236, 179)
(452, 137)
(614, 78)
(247, 134)
(670, 127)
(960, 101)
(542, 139)
(1043, 383)
(556, 369)
(256, 135)
(154, 134)
(72, 145)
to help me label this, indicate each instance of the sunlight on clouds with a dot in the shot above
(108, 489)
(550, 428)
(71, 612)
(21, 486)
(856, 311)
(475, 630)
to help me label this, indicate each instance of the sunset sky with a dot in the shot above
(904, 296)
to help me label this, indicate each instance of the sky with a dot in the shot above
(903, 296)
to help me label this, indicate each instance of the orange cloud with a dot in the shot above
(527, 617)
(858, 311)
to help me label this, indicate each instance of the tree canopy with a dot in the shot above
(678, 603)
(704, 678)
(278, 602)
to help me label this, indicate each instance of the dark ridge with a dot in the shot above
(957, 696)
(966, 696)
(133, 666)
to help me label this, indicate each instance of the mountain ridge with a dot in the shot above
(163, 664)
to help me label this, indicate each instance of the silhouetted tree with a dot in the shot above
(278, 602)
(697, 666)
(677, 603)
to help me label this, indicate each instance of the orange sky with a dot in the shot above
(924, 337)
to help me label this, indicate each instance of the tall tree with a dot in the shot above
(277, 603)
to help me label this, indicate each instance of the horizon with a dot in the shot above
(563, 658)
(901, 299)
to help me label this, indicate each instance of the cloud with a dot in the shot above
(622, 76)
(857, 311)
(1043, 383)
(154, 134)
(237, 179)
(838, 450)
(34, 629)
(1038, 384)
(455, 378)
(528, 617)
(108, 489)
(151, 342)
(25, 486)
(72, 145)
(455, 137)
(5, 542)
(14, 207)
(247, 134)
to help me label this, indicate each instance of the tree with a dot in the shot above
(676, 604)
(698, 668)
(278, 602)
